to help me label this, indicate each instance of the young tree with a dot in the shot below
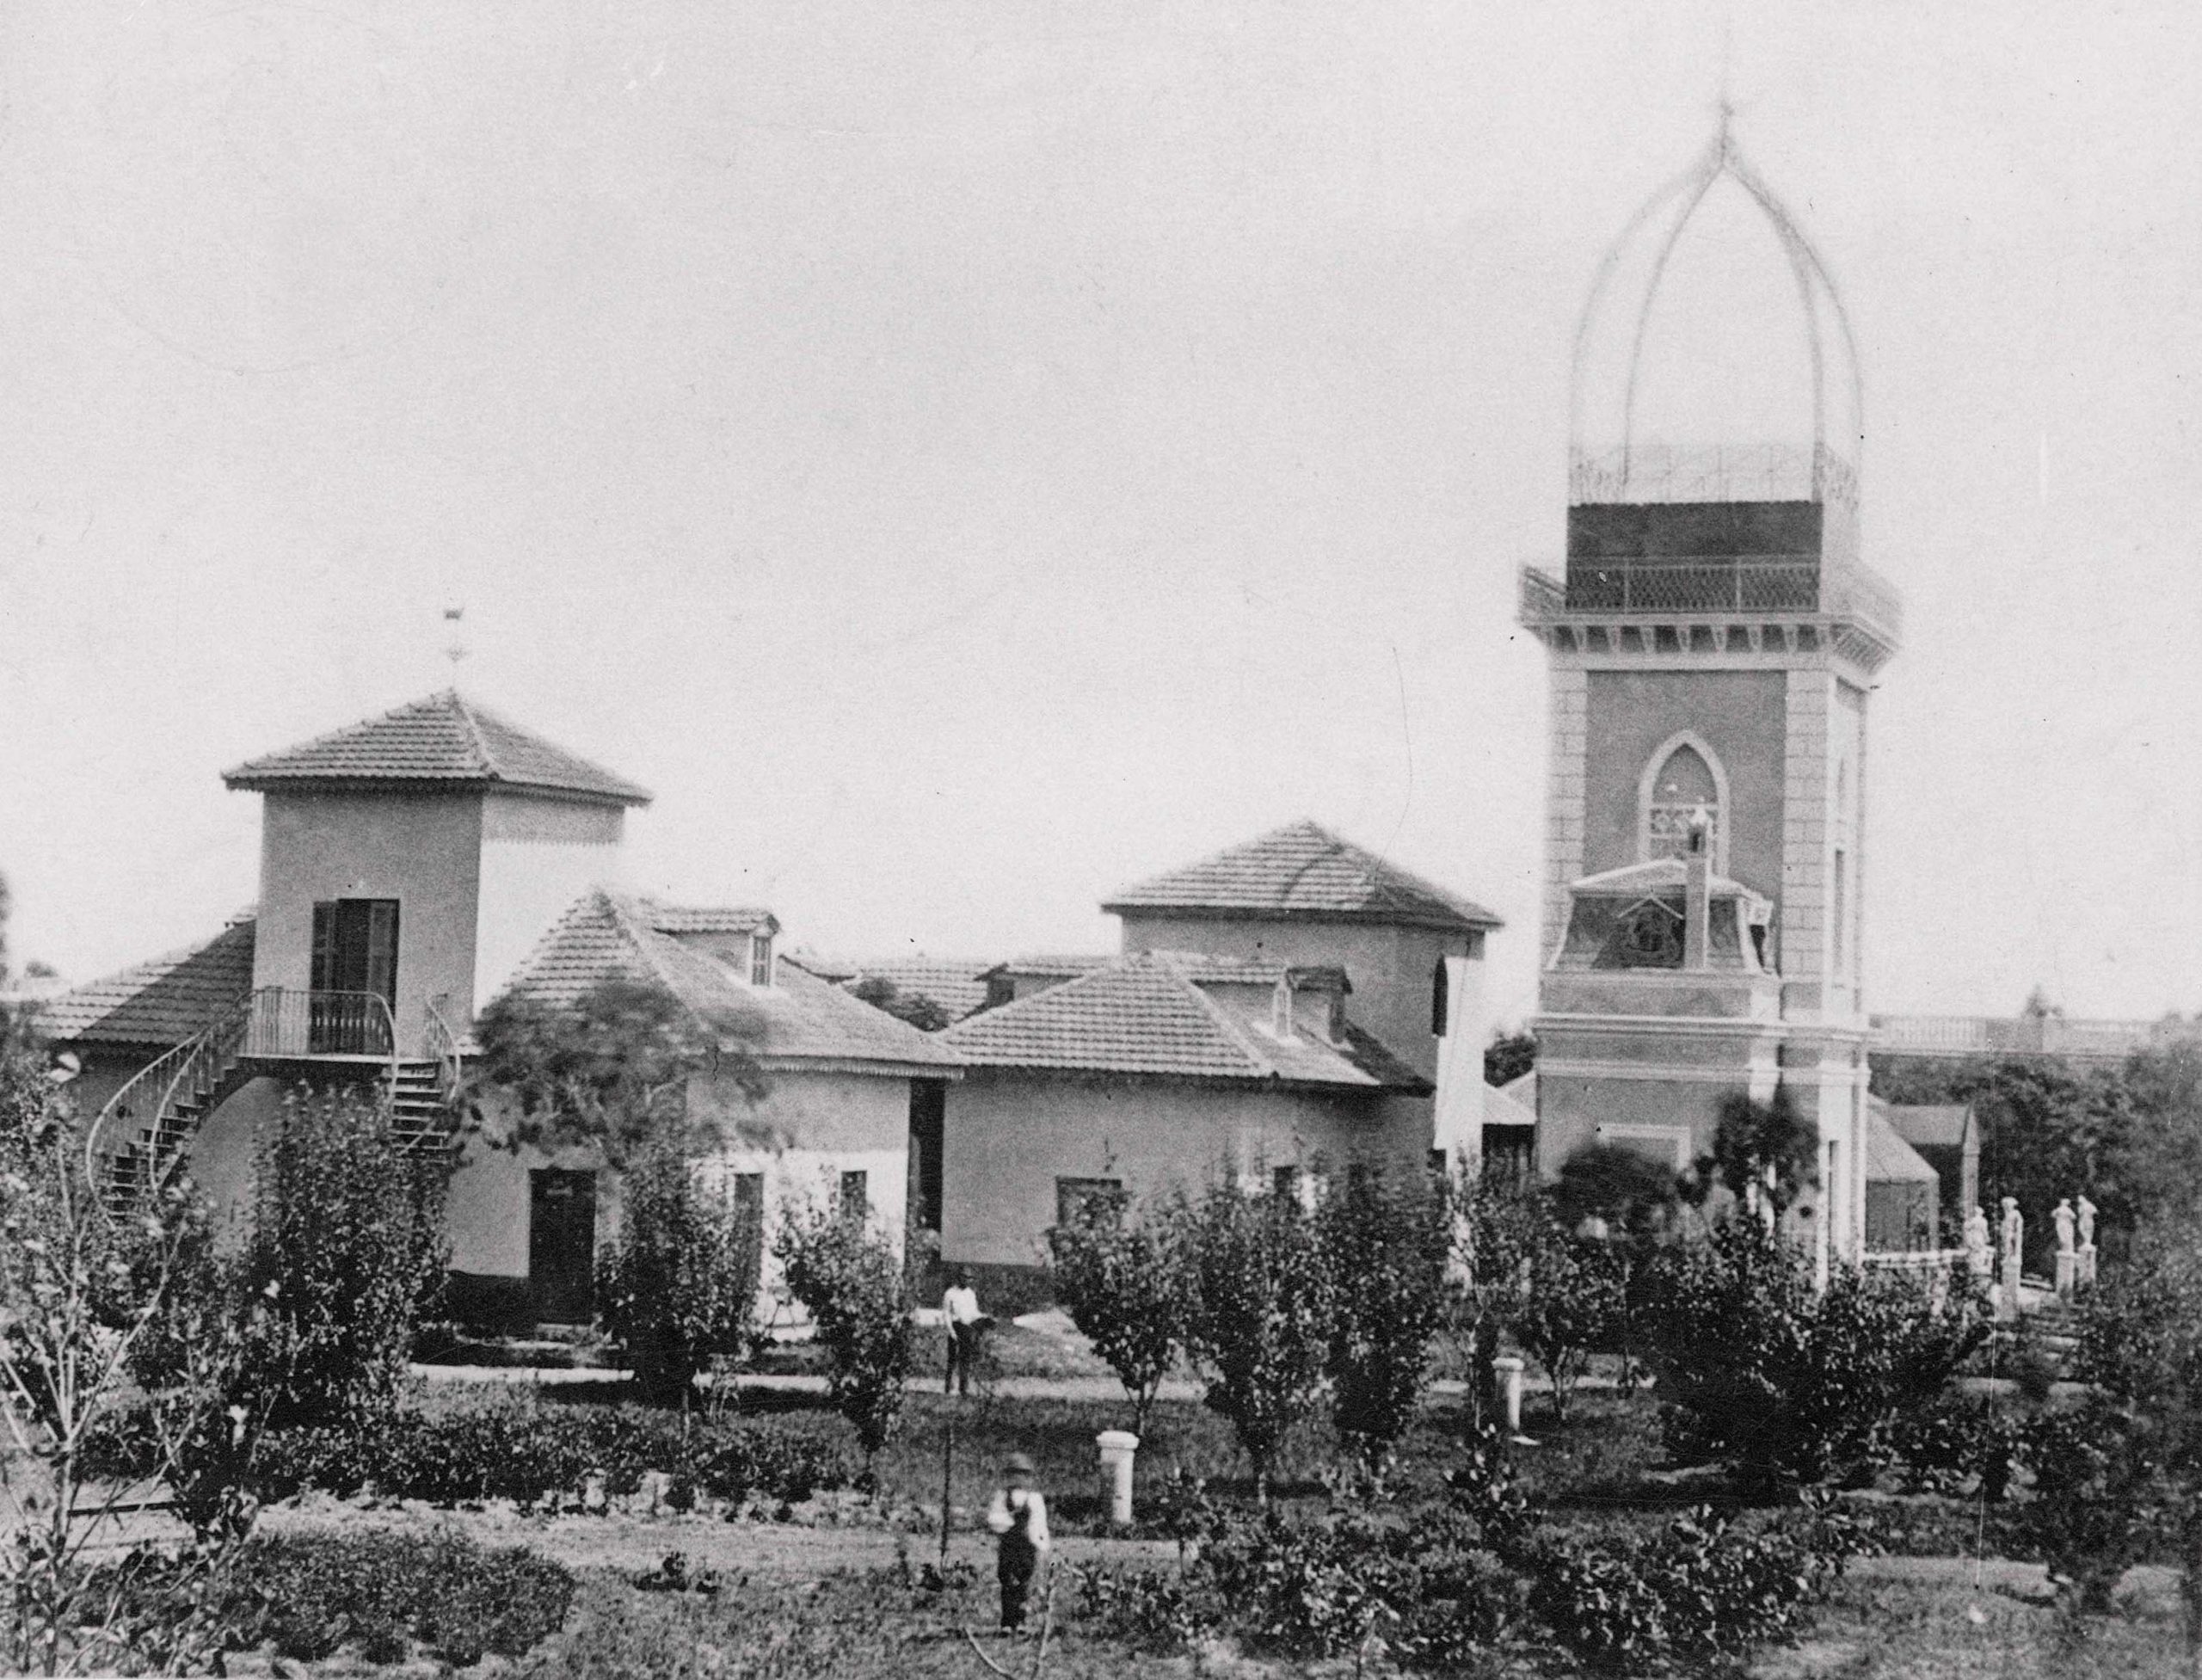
(611, 1069)
(1508, 1056)
(1766, 1153)
(1123, 1283)
(846, 1274)
(1577, 1301)
(1495, 1226)
(347, 1249)
(1389, 1243)
(1261, 1313)
(679, 1289)
(913, 1007)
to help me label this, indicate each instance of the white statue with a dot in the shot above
(2014, 1232)
(2087, 1223)
(1977, 1248)
(2066, 1222)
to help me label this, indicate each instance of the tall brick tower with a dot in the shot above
(1712, 646)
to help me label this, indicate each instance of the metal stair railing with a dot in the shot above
(200, 1063)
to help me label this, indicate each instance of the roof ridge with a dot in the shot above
(483, 750)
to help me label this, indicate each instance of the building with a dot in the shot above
(1287, 1003)
(413, 867)
(1711, 644)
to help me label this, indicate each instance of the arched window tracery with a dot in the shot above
(1682, 779)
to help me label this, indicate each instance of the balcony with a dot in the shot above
(285, 1023)
(1721, 589)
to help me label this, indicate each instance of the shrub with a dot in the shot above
(1123, 1285)
(1791, 1383)
(1154, 1610)
(311, 1594)
(1388, 1246)
(1576, 1302)
(679, 1289)
(1703, 1589)
(1261, 1315)
(347, 1252)
(1957, 1442)
(847, 1276)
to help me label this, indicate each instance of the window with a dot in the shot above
(1440, 986)
(760, 959)
(1682, 780)
(855, 1195)
(1073, 1195)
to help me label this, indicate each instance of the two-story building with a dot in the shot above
(412, 868)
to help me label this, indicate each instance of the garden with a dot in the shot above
(227, 1459)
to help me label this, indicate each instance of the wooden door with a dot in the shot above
(354, 958)
(562, 1245)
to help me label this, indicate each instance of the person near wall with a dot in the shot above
(959, 1307)
(1019, 1515)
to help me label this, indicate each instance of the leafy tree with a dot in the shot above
(846, 1275)
(1766, 1153)
(679, 1289)
(1495, 1226)
(1577, 1301)
(1389, 1245)
(347, 1249)
(1790, 1382)
(915, 1007)
(611, 1069)
(1123, 1283)
(1262, 1309)
(1508, 1056)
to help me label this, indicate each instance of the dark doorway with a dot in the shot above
(562, 1245)
(928, 1111)
(354, 961)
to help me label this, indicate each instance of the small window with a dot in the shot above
(760, 959)
(1440, 999)
(856, 1193)
(1074, 1196)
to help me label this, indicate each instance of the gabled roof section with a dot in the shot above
(799, 1021)
(1146, 1015)
(957, 984)
(1303, 869)
(159, 1003)
(1889, 1159)
(692, 919)
(444, 740)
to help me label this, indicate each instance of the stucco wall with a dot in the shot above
(1392, 968)
(422, 850)
(1740, 716)
(538, 856)
(1008, 1137)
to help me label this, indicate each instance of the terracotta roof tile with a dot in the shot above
(445, 739)
(1146, 1015)
(1304, 869)
(957, 984)
(799, 1019)
(161, 1002)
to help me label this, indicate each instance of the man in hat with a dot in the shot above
(1019, 1516)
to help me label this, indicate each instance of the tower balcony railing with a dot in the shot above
(1706, 583)
(288, 1022)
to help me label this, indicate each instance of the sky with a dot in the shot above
(965, 458)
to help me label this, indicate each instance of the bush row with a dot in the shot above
(1430, 1586)
(528, 1453)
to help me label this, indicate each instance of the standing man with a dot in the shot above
(959, 1306)
(1019, 1516)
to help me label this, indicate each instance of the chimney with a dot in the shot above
(1697, 872)
(1457, 1120)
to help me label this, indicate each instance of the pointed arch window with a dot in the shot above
(1683, 778)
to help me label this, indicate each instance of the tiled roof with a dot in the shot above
(1304, 869)
(1889, 1159)
(1145, 1015)
(161, 1002)
(444, 740)
(1204, 965)
(1058, 966)
(1936, 1124)
(957, 984)
(800, 1019)
(690, 919)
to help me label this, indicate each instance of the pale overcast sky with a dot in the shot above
(965, 456)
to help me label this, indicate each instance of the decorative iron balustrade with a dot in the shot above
(1649, 473)
(1745, 583)
(288, 1022)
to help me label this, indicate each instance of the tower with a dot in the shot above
(1711, 646)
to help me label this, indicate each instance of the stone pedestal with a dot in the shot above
(2068, 1276)
(1117, 1447)
(1509, 1370)
(2085, 1257)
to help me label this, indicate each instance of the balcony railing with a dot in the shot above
(287, 1022)
(1712, 583)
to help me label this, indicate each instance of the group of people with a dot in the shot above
(1016, 1516)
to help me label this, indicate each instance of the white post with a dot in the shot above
(1509, 1390)
(1118, 1448)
